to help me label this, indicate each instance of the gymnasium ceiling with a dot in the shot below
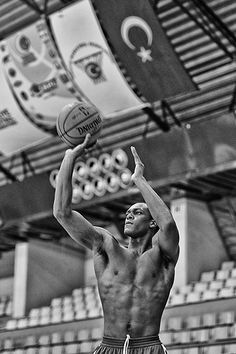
(214, 71)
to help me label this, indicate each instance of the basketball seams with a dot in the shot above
(67, 116)
(71, 143)
(63, 137)
(63, 132)
(78, 123)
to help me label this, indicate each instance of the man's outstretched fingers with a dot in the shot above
(137, 159)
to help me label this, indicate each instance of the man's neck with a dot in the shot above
(140, 245)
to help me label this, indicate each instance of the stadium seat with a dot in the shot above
(182, 337)
(31, 341)
(11, 324)
(193, 297)
(174, 323)
(68, 316)
(193, 321)
(227, 265)
(209, 319)
(193, 350)
(207, 276)
(22, 322)
(216, 284)
(71, 348)
(69, 336)
(86, 347)
(57, 349)
(97, 333)
(226, 317)
(226, 292)
(200, 286)
(200, 335)
(94, 312)
(230, 283)
(44, 350)
(44, 339)
(209, 295)
(220, 332)
(166, 337)
(56, 302)
(32, 350)
(177, 299)
(185, 289)
(81, 314)
(213, 349)
(175, 351)
(77, 292)
(230, 348)
(83, 334)
(8, 343)
(223, 274)
(56, 338)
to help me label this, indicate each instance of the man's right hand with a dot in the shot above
(80, 149)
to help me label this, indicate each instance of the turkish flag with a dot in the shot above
(141, 45)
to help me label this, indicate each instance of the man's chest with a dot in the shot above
(128, 268)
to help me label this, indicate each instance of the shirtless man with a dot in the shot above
(134, 282)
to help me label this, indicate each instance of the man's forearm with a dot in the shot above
(158, 209)
(63, 192)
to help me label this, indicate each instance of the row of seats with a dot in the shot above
(209, 349)
(82, 338)
(199, 335)
(217, 284)
(71, 348)
(199, 321)
(84, 303)
(75, 349)
(207, 295)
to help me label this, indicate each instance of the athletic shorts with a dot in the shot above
(142, 345)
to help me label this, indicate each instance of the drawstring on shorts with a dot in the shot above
(164, 348)
(126, 344)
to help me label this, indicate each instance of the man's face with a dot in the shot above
(137, 221)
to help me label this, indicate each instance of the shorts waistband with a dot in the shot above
(133, 342)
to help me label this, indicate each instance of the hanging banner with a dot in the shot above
(87, 56)
(142, 46)
(16, 131)
(36, 76)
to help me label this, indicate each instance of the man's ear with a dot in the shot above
(153, 224)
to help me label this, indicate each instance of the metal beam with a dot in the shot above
(33, 5)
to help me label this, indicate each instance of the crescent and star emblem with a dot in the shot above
(134, 21)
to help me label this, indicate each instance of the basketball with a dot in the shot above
(76, 120)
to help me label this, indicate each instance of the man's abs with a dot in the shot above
(132, 309)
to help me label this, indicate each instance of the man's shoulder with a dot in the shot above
(108, 237)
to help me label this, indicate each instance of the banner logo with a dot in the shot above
(88, 57)
(134, 21)
(6, 119)
(46, 87)
(22, 48)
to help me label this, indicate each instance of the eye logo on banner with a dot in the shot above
(89, 61)
(132, 22)
(88, 57)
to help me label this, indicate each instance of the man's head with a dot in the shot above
(139, 222)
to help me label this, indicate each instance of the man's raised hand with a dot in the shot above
(139, 166)
(81, 148)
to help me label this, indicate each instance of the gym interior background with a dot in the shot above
(163, 75)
